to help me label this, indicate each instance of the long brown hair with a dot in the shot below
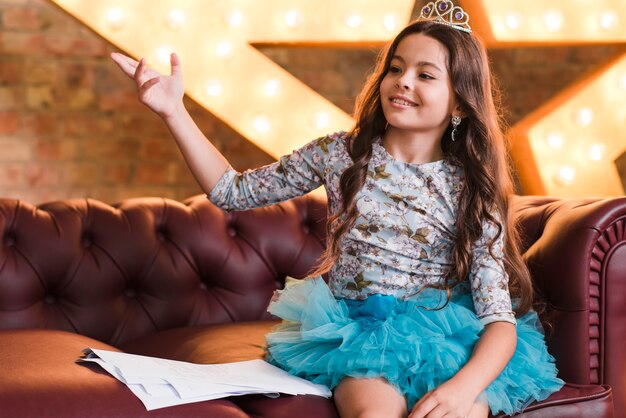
(479, 149)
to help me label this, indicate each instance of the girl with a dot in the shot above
(417, 317)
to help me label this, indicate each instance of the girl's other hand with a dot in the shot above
(162, 94)
(446, 400)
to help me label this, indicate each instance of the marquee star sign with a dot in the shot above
(559, 147)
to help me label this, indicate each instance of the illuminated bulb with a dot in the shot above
(391, 23)
(224, 50)
(116, 18)
(322, 120)
(565, 175)
(622, 81)
(608, 20)
(354, 20)
(262, 124)
(553, 20)
(596, 152)
(555, 140)
(513, 20)
(584, 116)
(176, 18)
(214, 88)
(235, 18)
(163, 54)
(272, 87)
(293, 18)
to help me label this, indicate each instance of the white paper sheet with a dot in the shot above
(159, 383)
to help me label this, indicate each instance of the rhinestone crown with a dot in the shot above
(445, 12)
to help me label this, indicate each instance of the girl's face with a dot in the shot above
(416, 93)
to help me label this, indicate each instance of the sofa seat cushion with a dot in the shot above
(205, 344)
(40, 376)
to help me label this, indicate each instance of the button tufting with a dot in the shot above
(130, 293)
(160, 236)
(232, 232)
(9, 240)
(50, 299)
(306, 229)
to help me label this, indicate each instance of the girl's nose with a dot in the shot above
(402, 83)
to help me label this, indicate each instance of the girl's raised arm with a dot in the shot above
(164, 95)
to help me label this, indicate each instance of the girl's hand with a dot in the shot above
(162, 94)
(449, 400)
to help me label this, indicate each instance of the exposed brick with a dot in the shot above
(9, 122)
(40, 123)
(11, 176)
(116, 173)
(39, 97)
(110, 148)
(161, 148)
(11, 98)
(10, 71)
(15, 149)
(22, 43)
(77, 174)
(36, 175)
(21, 18)
(56, 150)
(154, 174)
(42, 71)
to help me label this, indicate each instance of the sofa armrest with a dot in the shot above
(576, 252)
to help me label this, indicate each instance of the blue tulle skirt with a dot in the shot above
(324, 339)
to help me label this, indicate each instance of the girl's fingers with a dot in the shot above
(146, 86)
(140, 75)
(177, 68)
(127, 64)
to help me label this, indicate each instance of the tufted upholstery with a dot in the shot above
(187, 281)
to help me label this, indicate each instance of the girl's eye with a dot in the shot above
(394, 70)
(426, 76)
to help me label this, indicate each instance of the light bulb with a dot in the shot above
(553, 20)
(622, 81)
(555, 139)
(262, 124)
(272, 87)
(224, 50)
(293, 18)
(596, 152)
(354, 20)
(116, 18)
(513, 20)
(163, 54)
(608, 20)
(322, 120)
(584, 116)
(176, 18)
(565, 175)
(391, 23)
(214, 88)
(234, 18)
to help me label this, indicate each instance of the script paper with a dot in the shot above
(159, 383)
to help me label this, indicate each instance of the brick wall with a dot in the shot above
(71, 126)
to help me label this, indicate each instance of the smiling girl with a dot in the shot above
(426, 311)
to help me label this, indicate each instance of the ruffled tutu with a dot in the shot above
(324, 339)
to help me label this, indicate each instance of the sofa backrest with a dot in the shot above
(114, 273)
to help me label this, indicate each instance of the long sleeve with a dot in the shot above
(489, 280)
(291, 176)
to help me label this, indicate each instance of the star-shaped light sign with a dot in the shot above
(558, 148)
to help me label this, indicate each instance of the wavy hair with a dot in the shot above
(480, 150)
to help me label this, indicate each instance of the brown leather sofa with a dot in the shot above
(187, 281)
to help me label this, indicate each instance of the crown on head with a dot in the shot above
(445, 12)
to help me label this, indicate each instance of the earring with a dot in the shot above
(456, 121)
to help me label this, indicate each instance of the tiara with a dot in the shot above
(445, 12)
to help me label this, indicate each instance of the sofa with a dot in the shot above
(187, 281)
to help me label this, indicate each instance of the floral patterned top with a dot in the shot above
(403, 236)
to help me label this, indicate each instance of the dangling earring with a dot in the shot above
(456, 121)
